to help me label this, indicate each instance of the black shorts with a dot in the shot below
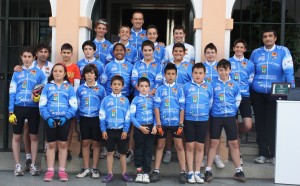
(114, 138)
(245, 108)
(31, 114)
(195, 131)
(59, 133)
(229, 125)
(90, 128)
(172, 129)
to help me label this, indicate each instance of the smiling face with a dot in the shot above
(152, 34)
(100, 30)
(269, 39)
(58, 73)
(178, 54)
(42, 55)
(198, 75)
(239, 50)
(224, 73)
(148, 53)
(27, 59)
(179, 36)
(119, 52)
(124, 33)
(210, 55)
(117, 86)
(137, 20)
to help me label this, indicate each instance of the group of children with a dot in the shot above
(114, 86)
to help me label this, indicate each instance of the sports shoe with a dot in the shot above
(191, 178)
(208, 176)
(240, 176)
(139, 178)
(154, 177)
(167, 157)
(198, 178)
(63, 176)
(27, 164)
(95, 173)
(241, 160)
(117, 154)
(260, 160)
(34, 170)
(204, 161)
(18, 170)
(127, 178)
(49, 175)
(103, 153)
(219, 162)
(107, 178)
(69, 156)
(146, 178)
(129, 156)
(182, 177)
(83, 173)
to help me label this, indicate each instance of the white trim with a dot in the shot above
(197, 6)
(229, 7)
(53, 7)
(86, 8)
(84, 34)
(53, 45)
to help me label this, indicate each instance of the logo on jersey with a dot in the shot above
(66, 86)
(194, 98)
(263, 69)
(167, 103)
(274, 54)
(24, 84)
(55, 97)
(221, 97)
(144, 107)
(185, 66)
(230, 85)
(157, 49)
(142, 36)
(86, 101)
(174, 90)
(128, 50)
(125, 66)
(33, 72)
(244, 63)
(122, 100)
(204, 86)
(113, 112)
(144, 75)
(236, 76)
(104, 46)
(208, 79)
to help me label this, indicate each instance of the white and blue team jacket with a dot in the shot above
(158, 54)
(21, 87)
(211, 71)
(57, 102)
(242, 71)
(227, 98)
(136, 39)
(169, 99)
(46, 68)
(141, 110)
(271, 65)
(153, 72)
(117, 67)
(131, 53)
(102, 50)
(89, 99)
(82, 63)
(114, 113)
(189, 50)
(198, 101)
(184, 73)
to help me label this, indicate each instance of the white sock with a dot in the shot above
(28, 156)
(208, 169)
(197, 172)
(239, 169)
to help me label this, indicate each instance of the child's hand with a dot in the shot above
(154, 131)
(159, 130)
(124, 135)
(18, 68)
(104, 135)
(179, 131)
(145, 130)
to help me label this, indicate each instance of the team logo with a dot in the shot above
(274, 54)
(66, 86)
(33, 72)
(144, 107)
(263, 69)
(125, 66)
(113, 112)
(128, 50)
(185, 66)
(144, 75)
(96, 88)
(174, 90)
(142, 36)
(194, 98)
(244, 63)
(215, 67)
(104, 46)
(204, 86)
(230, 84)
(86, 101)
(154, 65)
(236, 76)
(157, 49)
(55, 97)
(167, 103)
(24, 84)
(221, 97)
(208, 79)
(122, 100)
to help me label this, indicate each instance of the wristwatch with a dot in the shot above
(181, 125)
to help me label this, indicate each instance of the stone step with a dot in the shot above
(249, 149)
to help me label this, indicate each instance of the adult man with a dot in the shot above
(138, 34)
(272, 63)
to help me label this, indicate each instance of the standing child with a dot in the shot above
(89, 97)
(22, 106)
(142, 117)
(114, 123)
(169, 113)
(58, 105)
(226, 101)
(198, 102)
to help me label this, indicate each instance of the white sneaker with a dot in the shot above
(146, 178)
(198, 178)
(139, 178)
(260, 160)
(241, 160)
(219, 162)
(129, 156)
(204, 161)
(18, 170)
(34, 170)
(95, 173)
(191, 178)
(103, 153)
(83, 173)
(167, 157)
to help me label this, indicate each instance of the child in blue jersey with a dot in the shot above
(23, 105)
(119, 66)
(115, 123)
(242, 71)
(58, 105)
(102, 45)
(226, 100)
(169, 113)
(131, 54)
(198, 102)
(142, 117)
(89, 97)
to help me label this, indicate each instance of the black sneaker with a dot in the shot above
(240, 176)
(182, 177)
(208, 176)
(154, 177)
(69, 156)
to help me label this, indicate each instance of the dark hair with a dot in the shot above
(117, 77)
(124, 26)
(210, 46)
(223, 63)
(240, 41)
(66, 46)
(199, 65)
(137, 12)
(178, 45)
(119, 44)
(89, 43)
(102, 22)
(90, 68)
(50, 78)
(28, 49)
(178, 27)
(41, 46)
(269, 29)
(170, 66)
(143, 79)
(151, 26)
(148, 43)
